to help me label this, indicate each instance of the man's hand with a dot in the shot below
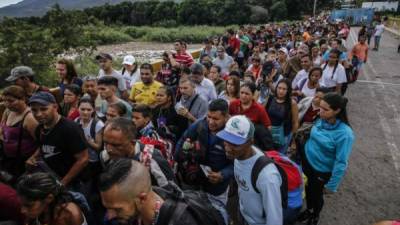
(215, 177)
(183, 111)
(31, 162)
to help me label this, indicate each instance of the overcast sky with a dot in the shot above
(8, 2)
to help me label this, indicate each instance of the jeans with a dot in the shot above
(377, 40)
(290, 215)
(314, 187)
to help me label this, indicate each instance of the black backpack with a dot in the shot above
(259, 165)
(177, 202)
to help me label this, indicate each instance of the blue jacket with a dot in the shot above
(328, 149)
(215, 155)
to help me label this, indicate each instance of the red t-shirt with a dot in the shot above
(184, 58)
(256, 113)
(10, 204)
(310, 115)
(234, 43)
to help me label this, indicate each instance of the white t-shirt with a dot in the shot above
(223, 63)
(299, 76)
(329, 79)
(317, 61)
(308, 92)
(116, 74)
(379, 29)
(131, 79)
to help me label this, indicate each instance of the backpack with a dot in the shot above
(334, 68)
(290, 175)
(189, 168)
(197, 203)
(165, 147)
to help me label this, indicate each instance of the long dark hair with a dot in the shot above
(71, 71)
(288, 100)
(37, 186)
(335, 102)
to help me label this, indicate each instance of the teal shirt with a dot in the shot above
(328, 150)
(244, 41)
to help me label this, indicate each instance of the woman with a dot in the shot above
(316, 57)
(69, 107)
(231, 91)
(165, 116)
(17, 132)
(130, 71)
(115, 110)
(334, 74)
(46, 201)
(67, 73)
(327, 153)
(92, 128)
(283, 113)
(306, 87)
(246, 105)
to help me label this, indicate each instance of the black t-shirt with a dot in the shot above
(59, 145)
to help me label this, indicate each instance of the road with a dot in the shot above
(370, 190)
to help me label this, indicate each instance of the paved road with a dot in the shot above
(371, 188)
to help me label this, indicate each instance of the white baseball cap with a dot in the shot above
(238, 130)
(129, 60)
(284, 50)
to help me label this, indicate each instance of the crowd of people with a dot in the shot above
(261, 107)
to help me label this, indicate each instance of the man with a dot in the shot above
(127, 194)
(233, 44)
(89, 88)
(204, 131)
(144, 92)
(204, 87)
(191, 105)
(264, 207)
(62, 143)
(182, 58)
(215, 77)
(294, 63)
(208, 50)
(360, 51)
(23, 76)
(141, 117)
(306, 64)
(105, 61)
(107, 88)
(223, 60)
(120, 137)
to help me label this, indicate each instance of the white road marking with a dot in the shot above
(376, 82)
(387, 131)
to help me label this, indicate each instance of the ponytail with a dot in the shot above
(335, 102)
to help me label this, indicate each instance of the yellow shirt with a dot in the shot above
(144, 94)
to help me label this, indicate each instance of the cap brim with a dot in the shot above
(226, 136)
(11, 78)
(128, 63)
(39, 101)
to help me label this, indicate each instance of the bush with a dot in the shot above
(108, 35)
(191, 34)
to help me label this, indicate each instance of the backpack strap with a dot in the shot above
(93, 128)
(259, 165)
(192, 103)
(255, 172)
(302, 83)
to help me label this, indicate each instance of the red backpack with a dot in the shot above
(165, 146)
(294, 178)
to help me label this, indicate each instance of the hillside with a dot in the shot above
(28, 8)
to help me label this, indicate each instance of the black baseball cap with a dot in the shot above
(43, 98)
(104, 56)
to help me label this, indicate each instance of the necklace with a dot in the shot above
(156, 212)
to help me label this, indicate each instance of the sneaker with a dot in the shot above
(313, 220)
(304, 216)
